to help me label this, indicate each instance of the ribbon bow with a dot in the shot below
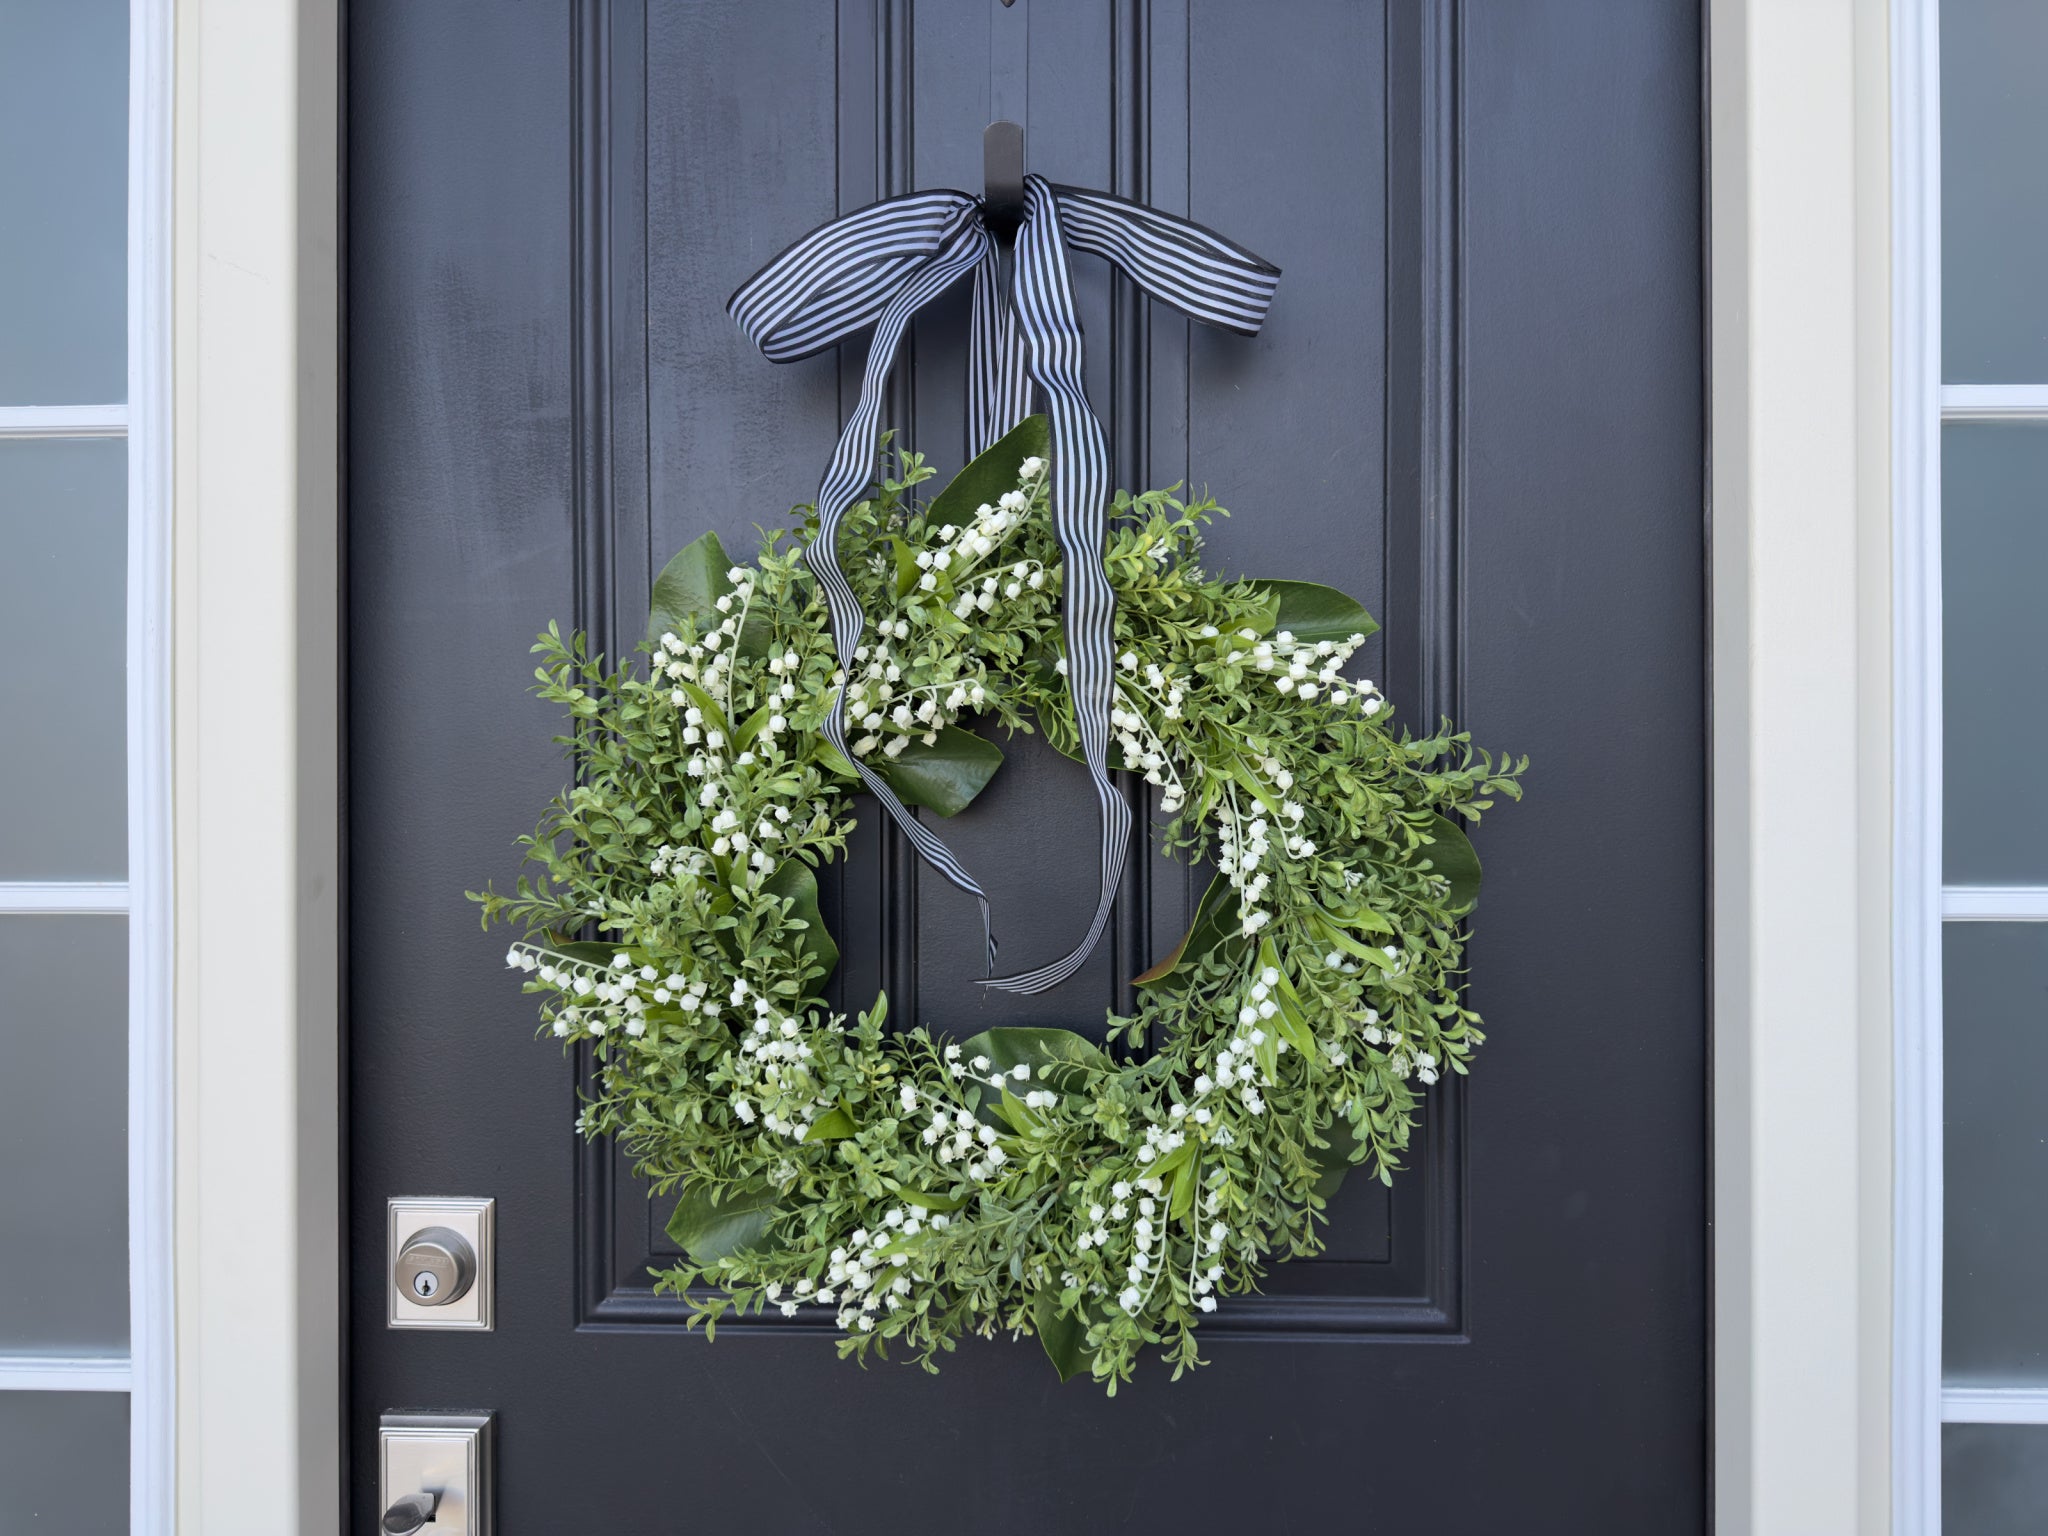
(878, 266)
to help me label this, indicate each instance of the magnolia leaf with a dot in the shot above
(835, 1125)
(945, 776)
(1330, 931)
(689, 587)
(1058, 1058)
(925, 1202)
(1181, 1198)
(589, 952)
(991, 473)
(794, 883)
(1310, 612)
(1064, 1334)
(1338, 1157)
(1450, 853)
(907, 572)
(708, 1231)
(1216, 925)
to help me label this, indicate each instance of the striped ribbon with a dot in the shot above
(878, 266)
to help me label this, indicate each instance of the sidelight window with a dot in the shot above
(85, 1288)
(1971, 487)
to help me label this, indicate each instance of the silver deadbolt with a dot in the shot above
(436, 1266)
(440, 1258)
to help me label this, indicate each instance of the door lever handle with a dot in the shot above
(409, 1513)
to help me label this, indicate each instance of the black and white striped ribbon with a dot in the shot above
(878, 266)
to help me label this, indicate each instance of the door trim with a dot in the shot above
(1799, 359)
(256, 793)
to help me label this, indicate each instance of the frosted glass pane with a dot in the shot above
(1994, 191)
(63, 202)
(1994, 1479)
(64, 1463)
(1995, 1183)
(63, 604)
(1994, 542)
(63, 1136)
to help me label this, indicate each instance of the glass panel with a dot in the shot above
(64, 1463)
(1994, 1479)
(1994, 191)
(1995, 1031)
(1994, 550)
(64, 1135)
(64, 202)
(63, 630)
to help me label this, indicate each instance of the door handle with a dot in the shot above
(409, 1514)
(434, 1474)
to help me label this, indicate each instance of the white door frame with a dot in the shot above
(1801, 612)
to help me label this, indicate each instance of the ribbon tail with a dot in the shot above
(1080, 490)
(849, 473)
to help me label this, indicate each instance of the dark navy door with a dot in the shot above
(1477, 406)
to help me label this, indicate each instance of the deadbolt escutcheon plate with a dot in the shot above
(439, 1269)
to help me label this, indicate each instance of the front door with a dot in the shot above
(1476, 406)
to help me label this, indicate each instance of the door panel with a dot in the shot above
(1476, 406)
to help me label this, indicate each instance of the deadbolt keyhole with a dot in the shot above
(436, 1266)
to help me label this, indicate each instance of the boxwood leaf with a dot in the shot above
(709, 1230)
(1217, 925)
(989, 474)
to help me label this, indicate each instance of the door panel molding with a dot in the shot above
(1408, 1279)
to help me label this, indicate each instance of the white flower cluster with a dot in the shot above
(774, 1065)
(607, 997)
(870, 1271)
(1235, 1064)
(891, 714)
(1402, 1059)
(894, 715)
(957, 1136)
(1148, 1233)
(961, 549)
(1324, 658)
(1141, 744)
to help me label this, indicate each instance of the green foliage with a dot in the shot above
(689, 586)
(1020, 1180)
(984, 480)
(946, 775)
(1217, 926)
(1311, 612)
(710, 1228)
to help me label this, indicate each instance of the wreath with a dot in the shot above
(1023, 1180)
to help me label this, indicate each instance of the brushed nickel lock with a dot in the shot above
(434, 1474)
(440, 1263)
(436, 1267)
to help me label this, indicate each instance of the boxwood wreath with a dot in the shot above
(1022, 1181)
